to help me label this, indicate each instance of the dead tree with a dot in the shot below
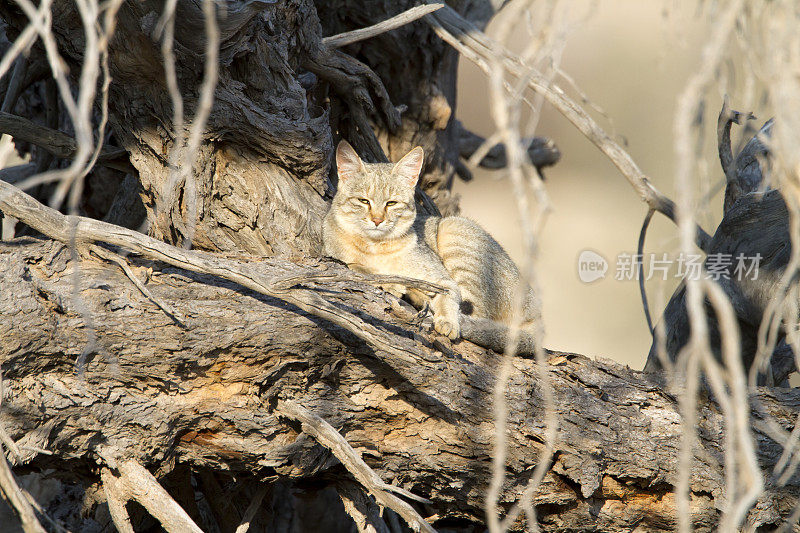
(247, 382)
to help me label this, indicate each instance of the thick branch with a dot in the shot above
(136, 483)
(57, 143)
(541, 152)
(116, 502)
(205, 396)
(14, 202)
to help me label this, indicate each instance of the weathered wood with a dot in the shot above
(136, 483)
(395, 22)
(57, 143)
(116, 504)
(754, 231)
(206, 396)
(361, 508)
(13, 495)
(264, 157)
(326, 435)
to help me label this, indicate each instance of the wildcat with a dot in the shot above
(373, 226)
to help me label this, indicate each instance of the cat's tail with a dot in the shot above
(494, 335)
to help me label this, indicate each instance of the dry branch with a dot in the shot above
(57, 143)
(541, 152)
(252, 509)
(480, 49)
(410, 15)
(361, 508)
(120, 261)
(116, 502)
(13, 495)
(326, 435)
(134, 482)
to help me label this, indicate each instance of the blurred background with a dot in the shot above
(632, 59)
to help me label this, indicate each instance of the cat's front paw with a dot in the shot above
(447, 327)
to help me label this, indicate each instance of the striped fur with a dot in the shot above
(373, 226)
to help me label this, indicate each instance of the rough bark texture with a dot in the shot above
(204, 396)
(431, 98)
(262, 169)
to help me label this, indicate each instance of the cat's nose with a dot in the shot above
(377, 220)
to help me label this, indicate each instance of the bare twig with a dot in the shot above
(74, 185)
(80, 110)
(743, 476)
(9, 443)
(185, 148)
(116, 259)
(488, 153)
(166, 31)
(363, 510)
(14, 495)
(327, 435)
(506, 112)
(480, 49)
(410, 15)
(639, 253)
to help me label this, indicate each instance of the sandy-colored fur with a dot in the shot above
(369, 235)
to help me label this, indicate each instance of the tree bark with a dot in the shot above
(205, 395)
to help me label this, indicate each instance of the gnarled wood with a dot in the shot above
(206, 395)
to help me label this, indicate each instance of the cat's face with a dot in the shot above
(376, 200)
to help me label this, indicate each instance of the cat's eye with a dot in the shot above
(390, 203)
(364, 201)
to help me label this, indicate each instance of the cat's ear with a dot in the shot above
(347, 161)
(410, 166)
